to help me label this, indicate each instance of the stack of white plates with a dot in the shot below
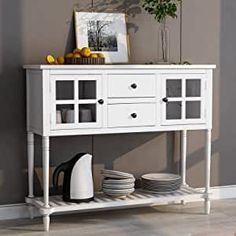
(161, 182)
(117, 184)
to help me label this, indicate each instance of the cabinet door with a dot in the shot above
(76, 101)
(183, 99)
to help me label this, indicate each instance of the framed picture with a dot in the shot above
(103, 32)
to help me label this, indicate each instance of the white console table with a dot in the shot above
(121, 99)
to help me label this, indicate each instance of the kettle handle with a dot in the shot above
(56, 173)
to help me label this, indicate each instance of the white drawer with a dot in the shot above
(129, 115)
(135, 85)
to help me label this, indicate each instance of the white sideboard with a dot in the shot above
(118, 99)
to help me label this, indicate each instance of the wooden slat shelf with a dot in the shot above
(103, 202)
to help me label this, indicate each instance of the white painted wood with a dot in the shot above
(45, 154)
(209, 98)
(20, 211)
(120, 130)
(30, 139)
(46, 222)
(120, 86)
(76, 102)
(131, 100)
(120, 100)
(103, 202)
(208, 171)
(46, 111)
(184, 99)
(183, 156)
(120, 115)
(34, 101)
(124, 66)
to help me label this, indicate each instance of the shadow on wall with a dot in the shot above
(142, 152)
(12, 103)
(227, 89)
(130, 7)
(109, 150)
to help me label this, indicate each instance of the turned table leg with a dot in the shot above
(45, 154)
(183, 158)
(30, 147)
(208, 171)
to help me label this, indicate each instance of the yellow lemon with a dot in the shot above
(50, 59)
(61, 60)
(85, 52)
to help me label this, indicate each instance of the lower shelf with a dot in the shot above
(103, 202)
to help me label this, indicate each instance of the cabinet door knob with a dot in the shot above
(133, 86)
(101, 101)
(165, 100)
(134, 115)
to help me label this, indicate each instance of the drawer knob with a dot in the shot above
(101, 101)
(134, 115)
(134, 86)
(165, 100)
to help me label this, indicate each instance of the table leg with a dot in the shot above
(30, 147)
(30, 141)
(183, 158)
(45, 154)
(208, 172)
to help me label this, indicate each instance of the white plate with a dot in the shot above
(119, 181)
(118, 186)
(161, 177)
(116, 174)
(118, 191)
(155, 192)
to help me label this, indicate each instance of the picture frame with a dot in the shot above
(104, 33)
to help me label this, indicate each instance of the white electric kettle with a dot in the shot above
(78, 178)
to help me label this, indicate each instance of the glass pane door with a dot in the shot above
(183, 99)
(87, 107)
(76, 102)
(173, 99)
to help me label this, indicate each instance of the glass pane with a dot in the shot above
(193, 110)
(64, 90)
(193, 88)
(173, 111)
(65, 114)
(87, 89)
(87, 113)
(174, 88)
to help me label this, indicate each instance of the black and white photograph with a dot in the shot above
(102, 36)
(103, 32)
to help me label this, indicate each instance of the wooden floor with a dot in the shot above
(175, 220)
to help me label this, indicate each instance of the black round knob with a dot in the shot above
(165, 99)
(134, 86)
(134, 115)
(101, 101)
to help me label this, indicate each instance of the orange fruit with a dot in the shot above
(100, 55)
(77, 55)
(61, 60)
(50, 59)
(77, 50)
(85, 52)
(94, 55)
(69, 55)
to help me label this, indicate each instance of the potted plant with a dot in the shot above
(162, 9)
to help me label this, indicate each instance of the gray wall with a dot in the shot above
(31, 29)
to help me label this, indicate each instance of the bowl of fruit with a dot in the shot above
(82, 56)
